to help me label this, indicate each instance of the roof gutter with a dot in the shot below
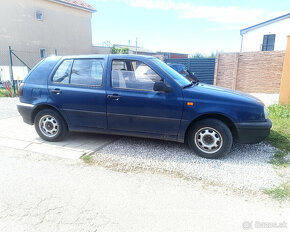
(73, 5)
(245, 30)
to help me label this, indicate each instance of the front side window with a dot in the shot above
(129, 74)
(87, 72)
(177, 77)
(62, 74)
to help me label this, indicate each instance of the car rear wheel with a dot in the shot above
(210, 138)
(50, 126)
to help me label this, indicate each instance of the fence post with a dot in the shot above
(55, 52)
(11, 70)
(284, 95)
(216, 69)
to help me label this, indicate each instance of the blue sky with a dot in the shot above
(180, 26)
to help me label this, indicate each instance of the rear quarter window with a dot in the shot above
(39, 74)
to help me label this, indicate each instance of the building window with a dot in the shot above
(42, 52)
(268, 42)
(39, 15)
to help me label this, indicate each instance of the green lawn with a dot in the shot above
(280, 132)
(280, 138)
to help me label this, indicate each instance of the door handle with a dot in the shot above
(114, 96)
(56, 91)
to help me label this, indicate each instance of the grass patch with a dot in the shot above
(280, 132)
(88, 159)
(279, 159)
(4, 93)
(281, 192)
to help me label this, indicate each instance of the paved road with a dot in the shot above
(44, 193)
(8, 107)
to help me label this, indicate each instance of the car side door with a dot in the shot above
(134, 106)
(77, 88)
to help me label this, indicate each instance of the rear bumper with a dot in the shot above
(26, 111)
(253, 132)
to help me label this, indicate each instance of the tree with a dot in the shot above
(115, 50)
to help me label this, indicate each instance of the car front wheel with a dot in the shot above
(210, 138)
(50, 126)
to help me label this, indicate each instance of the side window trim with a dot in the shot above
(69, 80)
(56, 69)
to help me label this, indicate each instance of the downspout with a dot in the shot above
(241, 49)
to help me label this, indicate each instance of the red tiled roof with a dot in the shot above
(78, 3)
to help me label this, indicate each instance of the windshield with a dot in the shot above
(181, 80)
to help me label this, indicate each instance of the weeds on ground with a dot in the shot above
(88, 159)
(280, 133)
(4, 93)
(279, 159)
(281, 192)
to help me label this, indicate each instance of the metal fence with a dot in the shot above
(203, 68)
(16, 63)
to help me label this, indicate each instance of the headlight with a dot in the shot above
(265, 112)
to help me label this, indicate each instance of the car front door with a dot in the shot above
(133, 105)
(77, 89)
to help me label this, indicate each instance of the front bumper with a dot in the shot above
(26, 111)
(253, 132)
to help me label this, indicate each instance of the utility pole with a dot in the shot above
(129, 43)
(136, 45)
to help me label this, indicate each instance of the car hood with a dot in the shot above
(220, 93)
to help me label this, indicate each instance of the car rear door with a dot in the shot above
(133, 105)
(77, 88)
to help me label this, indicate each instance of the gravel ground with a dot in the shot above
(245, 168)
(41, 193)
(8, 107)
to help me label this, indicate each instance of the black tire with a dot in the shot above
(50, 126)
(210, 138)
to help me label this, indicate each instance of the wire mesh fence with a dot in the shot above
(15, 65)
(23, 58)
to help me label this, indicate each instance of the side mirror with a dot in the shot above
(192, 76)
(160, 86)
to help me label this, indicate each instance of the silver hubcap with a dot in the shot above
(48, 126)
(208, 140)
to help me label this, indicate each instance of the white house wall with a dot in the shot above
(253, 39)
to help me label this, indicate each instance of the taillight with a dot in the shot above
(20, 89)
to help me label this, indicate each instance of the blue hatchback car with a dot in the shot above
(137, 96)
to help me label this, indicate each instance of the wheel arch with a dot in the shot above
(40, 107)
(226, 120)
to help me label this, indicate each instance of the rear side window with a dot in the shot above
(87, 72)
(80, 72)
(39, 74)
(62, 74)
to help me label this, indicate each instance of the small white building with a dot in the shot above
(270, 35)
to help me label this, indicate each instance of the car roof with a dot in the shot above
(112, 56)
